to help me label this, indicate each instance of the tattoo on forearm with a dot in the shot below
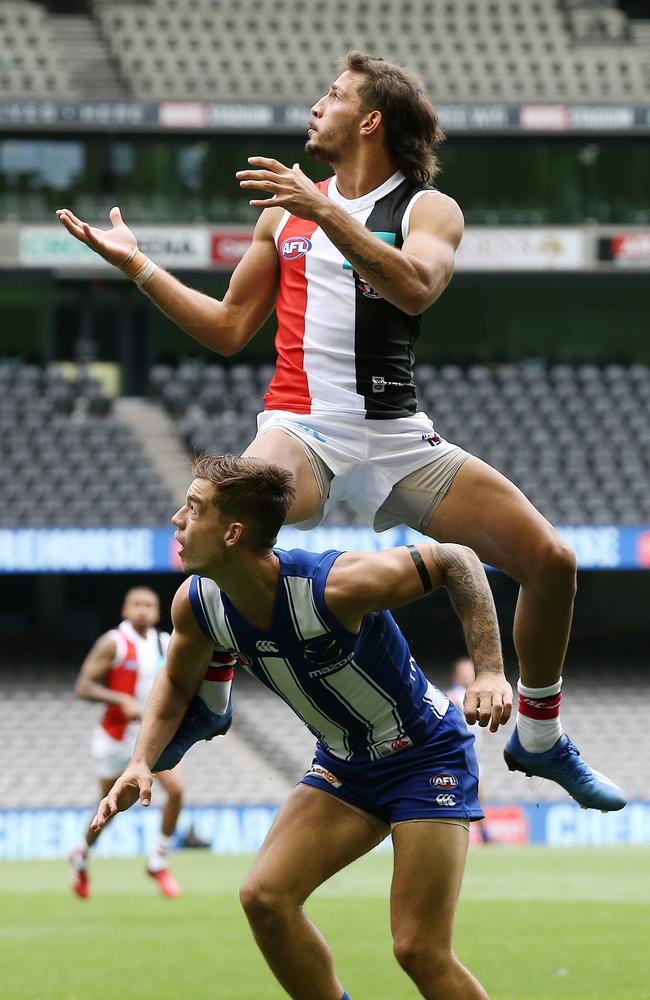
(471, 597)
(369, 266)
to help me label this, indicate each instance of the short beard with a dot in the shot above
(316, 152)
(337, 139)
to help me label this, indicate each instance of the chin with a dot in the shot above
(316, 152)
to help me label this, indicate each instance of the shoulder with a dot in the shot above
(437, 212)
(110, 642)
(267, 223)
(190, 606)
(181, 610)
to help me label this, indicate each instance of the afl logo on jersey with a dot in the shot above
(294, 247)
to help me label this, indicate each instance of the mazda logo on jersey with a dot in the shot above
(294, 247)
(323, 650)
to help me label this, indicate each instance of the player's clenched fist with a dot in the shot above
(488, 701)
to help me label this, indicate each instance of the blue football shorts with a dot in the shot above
(436, 779)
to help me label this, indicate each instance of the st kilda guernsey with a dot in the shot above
(342, 349)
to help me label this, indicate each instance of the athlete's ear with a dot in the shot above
(371, 122)
(235, 532)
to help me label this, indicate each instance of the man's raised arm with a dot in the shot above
(188, 656)
(223, 326)
(360, 583)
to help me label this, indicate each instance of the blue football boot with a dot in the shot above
(564, 765)
(198, 723)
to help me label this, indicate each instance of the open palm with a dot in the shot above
(114, 244)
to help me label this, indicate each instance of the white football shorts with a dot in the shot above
(389, 471)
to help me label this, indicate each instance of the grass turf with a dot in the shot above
(533, 924)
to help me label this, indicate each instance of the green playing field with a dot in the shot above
(533, 924)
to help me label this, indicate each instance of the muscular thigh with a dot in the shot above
(429, 861)
(484, 510)
(314, 836)
(284, 450)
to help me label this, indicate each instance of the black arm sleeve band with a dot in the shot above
(421, 568)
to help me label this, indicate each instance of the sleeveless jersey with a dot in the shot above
(363, 696)
(341, 347)
(133, 671)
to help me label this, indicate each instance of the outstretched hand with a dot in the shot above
(114, 244)
(288, 186)
(488, 701)
(133, 785)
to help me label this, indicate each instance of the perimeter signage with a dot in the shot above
(254, 116)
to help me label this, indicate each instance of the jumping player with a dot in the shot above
(119, 672)
(349, 265)
(392, 754)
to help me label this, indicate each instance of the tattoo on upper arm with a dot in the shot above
(472, 599)
(370, 266)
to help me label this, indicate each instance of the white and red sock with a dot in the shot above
(157, 860)
(79, 857)
(538, 716)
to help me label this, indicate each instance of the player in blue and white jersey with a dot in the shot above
(392, 754)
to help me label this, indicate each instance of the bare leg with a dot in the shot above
(313, 837)
(485, 511)
(172, 782)
(283, 449)
(429, 865)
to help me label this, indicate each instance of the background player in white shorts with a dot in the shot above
(349, 265)
(119, 671)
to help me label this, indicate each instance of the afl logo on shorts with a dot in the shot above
(295, 247)
(443, 782)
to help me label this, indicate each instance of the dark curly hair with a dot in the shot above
(410, 122)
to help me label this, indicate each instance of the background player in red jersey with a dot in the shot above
(119, 672)
(349, 265)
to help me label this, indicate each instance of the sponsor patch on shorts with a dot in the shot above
(318, 771)
(445, 800)
(444, 782)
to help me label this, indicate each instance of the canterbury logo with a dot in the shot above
(445, 800)
(264, 646)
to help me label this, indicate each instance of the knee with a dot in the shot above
(174, 794)
(413, 951)
(264, 906)
(551, 563)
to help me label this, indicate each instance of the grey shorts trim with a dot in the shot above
(322, 473)
(415, 498)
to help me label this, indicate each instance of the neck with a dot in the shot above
(252, 586)
(364, 174)
(140, 629)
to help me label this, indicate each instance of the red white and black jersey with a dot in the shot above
(341, 347)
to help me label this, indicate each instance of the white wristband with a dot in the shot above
(145, 272)
(129, 258)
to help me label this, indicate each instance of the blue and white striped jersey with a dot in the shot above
(363, 696)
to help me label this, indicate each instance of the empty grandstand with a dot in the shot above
(505, 50)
